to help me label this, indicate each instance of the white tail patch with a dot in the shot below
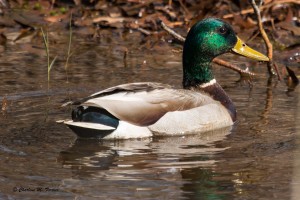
(89, 125)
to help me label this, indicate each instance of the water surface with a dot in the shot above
(41, 159)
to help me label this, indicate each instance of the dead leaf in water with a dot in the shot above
(28, 19)
(292, 80)
(289, 24)
(285, 39)
(244, 23)
(24, 33)
(57, 18)
(110, 20)
(116, 22)
(292, 76)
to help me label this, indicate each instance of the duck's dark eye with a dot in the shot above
(222, 30)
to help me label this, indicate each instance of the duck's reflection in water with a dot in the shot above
(169, 167)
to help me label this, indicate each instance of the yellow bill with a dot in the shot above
(242, 49)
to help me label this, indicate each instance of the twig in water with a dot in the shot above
(233, 67)
(250, 10)
(171, 32)
(125, 57)
(69, 54)
(216, 60)
(49, 64)
(266, 40)
(144, 31)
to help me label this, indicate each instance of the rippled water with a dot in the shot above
(254, 159)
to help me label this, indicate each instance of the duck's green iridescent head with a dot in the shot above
(206, 40)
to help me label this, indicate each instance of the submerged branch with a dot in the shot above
(224, 63)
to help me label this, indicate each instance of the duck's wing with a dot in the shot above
(129, 87)
(145, 103)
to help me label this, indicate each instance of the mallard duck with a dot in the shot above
(145, 109)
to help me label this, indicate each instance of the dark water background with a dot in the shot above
(40, 159)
